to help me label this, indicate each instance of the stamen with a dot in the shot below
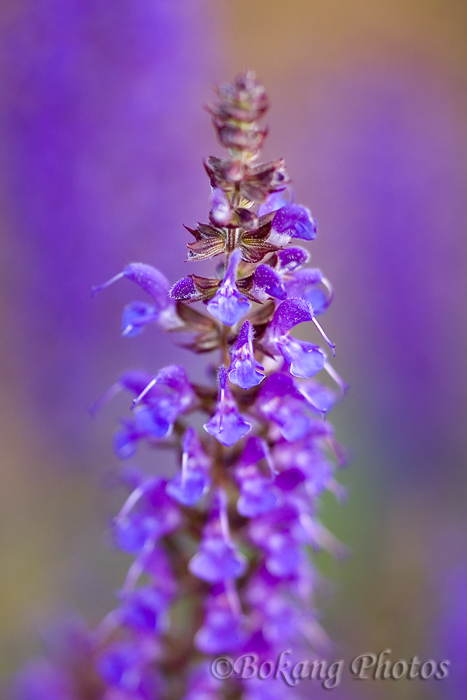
(319, 327)
(144, 392)
(337, 378)
(100, 287)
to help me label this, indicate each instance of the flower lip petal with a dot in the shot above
(296, 221)
(290, 313)
(268, 281)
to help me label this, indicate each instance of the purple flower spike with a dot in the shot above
(295, 221)
(226, 425)
(156, 285)
(193, 480)
(244, 370)
(267, 283)
(228, 305)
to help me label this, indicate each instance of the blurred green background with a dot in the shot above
(101, 137)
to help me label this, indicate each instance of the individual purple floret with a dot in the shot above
(295, 221)
(245, 371)
(218, 559)
(221, 543)
(156, 285)
(227, 425)
(193, 480)
(228, 305)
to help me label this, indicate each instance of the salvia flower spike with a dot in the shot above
(222, 547)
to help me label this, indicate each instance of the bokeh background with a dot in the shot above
(101, 140)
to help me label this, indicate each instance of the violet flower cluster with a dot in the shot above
(222, 548)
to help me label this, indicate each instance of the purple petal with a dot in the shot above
(284, 556)
(320, 397)
(217, 561)
(145, 610)
(295, 221)
(137, 315)
(312, 286)
(267, 281)
(184, 289)
(304, 359)
(290, 313)
(245, 371)
(221, 211)
(257, 497)
(275, 201)
(220, 633)
(292, 258)
(188, 488)
(228, 305)
(227, 426)
(149, 279)
(117, 661)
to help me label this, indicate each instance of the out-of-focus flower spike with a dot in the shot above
(228, 305)
(245, 371)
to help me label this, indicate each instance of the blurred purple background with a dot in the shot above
(102, 136)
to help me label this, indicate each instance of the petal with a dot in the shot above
(221, 211)
(227, 427)
(217, 561)
(290, 313)
(291, 258)
(296, 221)
(275, 201)
(268, 281)
(257, 497)
(136, 315)
(304, 359)
(188, 489)
(149, 279)
(244, 370)
(184, 289)
(312, 286)
(228, 305)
